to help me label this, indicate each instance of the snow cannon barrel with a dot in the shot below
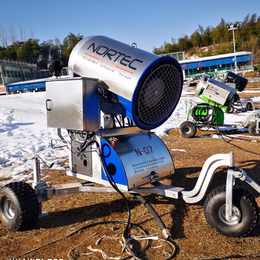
(146, 85)
(214, 92)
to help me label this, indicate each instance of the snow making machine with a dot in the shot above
(219, 96)
(123, 93)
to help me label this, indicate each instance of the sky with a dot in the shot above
(148, 23)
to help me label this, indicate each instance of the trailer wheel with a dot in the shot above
(248, 107)
(244, 212)
(19, 206)
(252, 129)
(188, 129)
(230, 110)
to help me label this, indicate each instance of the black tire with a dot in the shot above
(252, 129)
(188, 129)
(230, 110)
(19, 206)
(245, 212)
(248, 107)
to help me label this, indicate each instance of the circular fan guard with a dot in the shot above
(159, 94)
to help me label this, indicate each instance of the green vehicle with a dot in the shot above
(218, 97)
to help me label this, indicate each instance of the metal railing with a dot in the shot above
(23, 63)
(219, 72)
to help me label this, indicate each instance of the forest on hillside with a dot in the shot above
(33, 51)
(218, 40)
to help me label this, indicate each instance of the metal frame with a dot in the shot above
(45, 192)
(206, 176)
(243, 104)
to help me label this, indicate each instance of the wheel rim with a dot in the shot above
(187, 130)
(9, 210)
(236, 215)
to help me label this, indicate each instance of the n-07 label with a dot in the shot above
(144, 150)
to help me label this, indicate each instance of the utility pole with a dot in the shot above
(233, 27)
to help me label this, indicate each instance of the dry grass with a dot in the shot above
(192, 236)
(252, 74)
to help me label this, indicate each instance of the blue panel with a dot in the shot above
(22, 86)
(128, 107)
(110, 157)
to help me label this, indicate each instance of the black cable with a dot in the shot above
(209, 118)
(221, 134)
(153, 212)
(113, 222)
(76, 231)
(147, 205)
(118, 120)
(128, 224)
(113, 184)
(229, 257)
(85, 145)
(243, 149)
(207, 124)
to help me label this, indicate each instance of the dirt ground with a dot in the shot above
(70, 230)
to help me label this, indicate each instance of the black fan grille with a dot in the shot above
(159, 94)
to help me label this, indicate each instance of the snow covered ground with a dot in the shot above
(24, 133)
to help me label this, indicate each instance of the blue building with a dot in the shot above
(17, 77)
(219, 64)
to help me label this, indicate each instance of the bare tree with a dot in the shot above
(3, 37)
(32, 36)
(12, 32)
(22, 33)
